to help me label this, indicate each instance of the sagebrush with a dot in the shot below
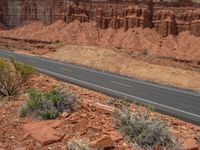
(140, 129)
(13, 75)
(78, 144)
(48, 105)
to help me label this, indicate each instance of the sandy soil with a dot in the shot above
(109, 60)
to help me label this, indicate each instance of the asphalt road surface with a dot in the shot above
(180, 103)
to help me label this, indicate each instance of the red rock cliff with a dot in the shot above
(167, 19)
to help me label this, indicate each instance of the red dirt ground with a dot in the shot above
(88, 122)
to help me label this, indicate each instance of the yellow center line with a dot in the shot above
(122, 84)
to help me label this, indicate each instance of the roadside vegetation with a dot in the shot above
(48, 105)
(143, 131)
(78, 144)
(13, 75)
(118, 103)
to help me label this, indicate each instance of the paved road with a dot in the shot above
(180, 103)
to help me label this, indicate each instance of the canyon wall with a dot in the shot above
(15, 12)
(165, 18)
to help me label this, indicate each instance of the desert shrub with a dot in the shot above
(139, 128)
(144, 52)
(118, 103)
(48, 105)
(13, 75)
(198, 139)
(78, 144)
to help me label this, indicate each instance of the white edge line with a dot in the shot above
(100, 72)
(116, 76)
(122, 84)
(66, 70)
(126, 95)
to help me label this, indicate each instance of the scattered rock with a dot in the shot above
(117, 137)
(94, 128)
(190, 144)
(105, 109)
(104, 142)
(55, 123)
(81, 125)
(65, 115)
(43, 132)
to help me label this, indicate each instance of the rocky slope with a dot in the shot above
(92, 121)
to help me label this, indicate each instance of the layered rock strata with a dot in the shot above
(170, 19)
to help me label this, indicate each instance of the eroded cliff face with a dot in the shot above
(194, 22)
(15, 12)
(167, 22)
(108, 14)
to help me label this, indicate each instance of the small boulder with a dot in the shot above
(102, 143)
(43, 132)
(81, 125)
(104, 109)
(190, 144)
(65, 115)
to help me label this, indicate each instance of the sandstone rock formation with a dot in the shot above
(165, 23)
(189, 21)
(107, 14)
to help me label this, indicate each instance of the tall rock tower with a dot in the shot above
(151, 9)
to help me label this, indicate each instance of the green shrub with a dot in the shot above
(139, 128)
(13, 75)
(78, 144)
(48, 105)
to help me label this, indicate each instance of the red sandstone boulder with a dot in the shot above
(81, 125)
(104, 109)
(190, 144)
(43, 132)
(102, 143)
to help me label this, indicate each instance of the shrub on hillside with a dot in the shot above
(139, 128)
(78, 144)
(48, 105)
(13, 75)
